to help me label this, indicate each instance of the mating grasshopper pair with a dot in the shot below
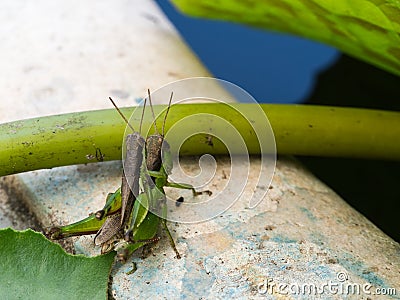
(133, 213)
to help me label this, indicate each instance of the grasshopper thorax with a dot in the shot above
(153, 151)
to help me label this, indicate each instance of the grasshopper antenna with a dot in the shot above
(121, 114)
(152, 111)
(166, 114)
(141, 118)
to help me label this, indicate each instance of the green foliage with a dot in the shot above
(366, 29)
(32, 267)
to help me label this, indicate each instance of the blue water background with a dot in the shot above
(272, 67)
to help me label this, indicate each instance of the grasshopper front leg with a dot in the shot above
(185, 186)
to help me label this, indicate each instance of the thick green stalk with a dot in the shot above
(68, 139)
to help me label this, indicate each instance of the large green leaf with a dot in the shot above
(366, 29)
(32, 267)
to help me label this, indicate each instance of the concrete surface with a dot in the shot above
(59, 57)
(69, 56)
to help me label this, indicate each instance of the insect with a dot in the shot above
(122, 200)
(114, 225)
(127, 221)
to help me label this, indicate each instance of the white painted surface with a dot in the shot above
(66, 56)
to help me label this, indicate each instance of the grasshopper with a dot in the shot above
(114, 225)
(119, 204)
(127, 227)
(154, 179)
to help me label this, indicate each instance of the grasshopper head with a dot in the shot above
(155, 143)
(153, 152)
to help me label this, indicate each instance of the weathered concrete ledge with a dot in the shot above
(301, 234)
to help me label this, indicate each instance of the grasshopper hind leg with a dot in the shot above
(171, 240)
(133, 270)
(125, 249)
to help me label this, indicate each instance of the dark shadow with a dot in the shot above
(369, 186)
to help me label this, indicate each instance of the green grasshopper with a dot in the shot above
(142, 224)
(114, 225)
(118, 205)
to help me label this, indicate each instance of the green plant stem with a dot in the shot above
(68, 139)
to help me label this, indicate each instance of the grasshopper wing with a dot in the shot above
(109, 229)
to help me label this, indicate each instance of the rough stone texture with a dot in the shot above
(70, 56)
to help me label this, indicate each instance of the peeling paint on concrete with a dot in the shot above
(294, 237)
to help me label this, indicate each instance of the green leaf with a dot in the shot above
(32, 267)
(366, 29)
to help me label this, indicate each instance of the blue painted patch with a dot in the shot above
(308, 213)
(197, 281)
(317, 238)
(322, 272)
(362, 270)
(282, 239)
